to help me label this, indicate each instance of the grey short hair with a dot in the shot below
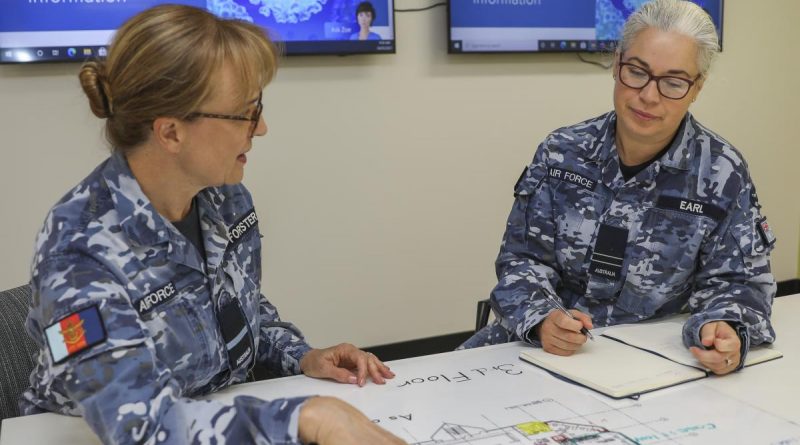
(680, 16)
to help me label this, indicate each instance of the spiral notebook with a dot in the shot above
(629, 360)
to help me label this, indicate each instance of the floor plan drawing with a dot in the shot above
(674, 419)
(491, 397)
(522, 405)
(538, 433)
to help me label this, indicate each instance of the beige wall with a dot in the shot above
(385, 181)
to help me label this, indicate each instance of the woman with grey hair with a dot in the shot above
(639, 213)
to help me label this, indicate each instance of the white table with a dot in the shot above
(489, 396)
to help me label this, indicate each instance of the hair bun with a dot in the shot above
(95, 86)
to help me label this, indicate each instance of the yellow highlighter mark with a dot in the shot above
(531, 428)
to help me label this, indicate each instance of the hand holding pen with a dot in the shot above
(563, 332)
(556, 304)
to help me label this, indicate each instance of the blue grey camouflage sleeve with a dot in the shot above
(124, 392)
(282, 345)
(734, 282)
(527, 260)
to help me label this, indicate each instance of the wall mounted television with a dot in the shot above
(530, 26)
(75, 30)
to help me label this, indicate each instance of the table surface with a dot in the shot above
(489, 386)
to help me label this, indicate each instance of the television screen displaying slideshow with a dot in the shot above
(498, 26)
(74, 30)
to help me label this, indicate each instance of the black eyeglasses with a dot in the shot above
(671, 87)
(253, 118)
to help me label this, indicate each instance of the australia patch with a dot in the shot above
(521, 177)
(766, 232)
(75, 333)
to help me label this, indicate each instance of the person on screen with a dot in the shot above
(365, 16)
(640, 213)
(147, 275)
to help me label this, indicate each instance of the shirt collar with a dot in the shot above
(138, 218)
(680, 153)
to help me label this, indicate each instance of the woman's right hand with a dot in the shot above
(330, 421)
(560, 334)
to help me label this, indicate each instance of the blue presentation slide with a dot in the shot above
(611, 15)
(522, 13)
(546, 25)
(53, 30)
(292, 20)
(74, 15)
(297, 20)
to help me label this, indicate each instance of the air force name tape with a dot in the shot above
(75, 333)
(572, 177)
(243, 226)
(156, 298)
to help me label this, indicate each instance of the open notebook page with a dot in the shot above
(613, 368)
(664, 338)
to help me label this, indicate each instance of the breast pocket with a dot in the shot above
(179, 329)
(576, 211)
(663, 261)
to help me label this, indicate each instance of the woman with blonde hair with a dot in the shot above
(147, 275)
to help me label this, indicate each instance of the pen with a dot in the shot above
(553, 301)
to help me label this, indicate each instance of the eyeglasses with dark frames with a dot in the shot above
(671, 87)
(253, 118)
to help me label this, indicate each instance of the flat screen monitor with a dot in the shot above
(509, 26)
(75, 30)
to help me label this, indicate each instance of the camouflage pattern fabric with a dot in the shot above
(104, 246)
(695, 238)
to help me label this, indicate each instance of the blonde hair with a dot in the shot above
(680, 16)
(164, 62)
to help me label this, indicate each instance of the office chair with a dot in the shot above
(482, 317)
(17, 350)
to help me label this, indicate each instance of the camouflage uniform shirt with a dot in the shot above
(688, 231)
(148, 306)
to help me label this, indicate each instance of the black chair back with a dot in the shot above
(482, 315)
(17, 350)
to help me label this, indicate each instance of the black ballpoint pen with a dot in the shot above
(553, 301)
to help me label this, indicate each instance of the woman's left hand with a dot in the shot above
(724, 345)
(346, 364)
